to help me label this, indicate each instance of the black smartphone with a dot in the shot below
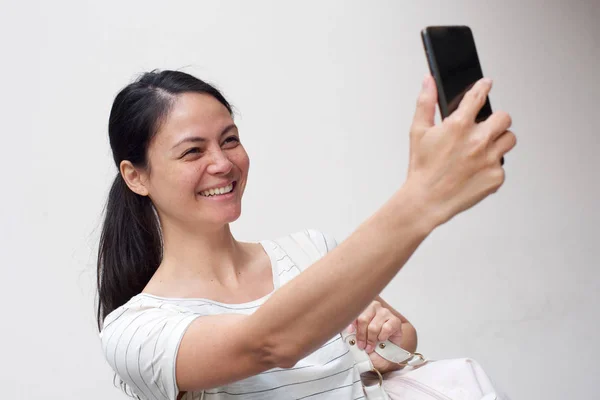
(454, 64)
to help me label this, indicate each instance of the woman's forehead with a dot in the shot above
(194, 114)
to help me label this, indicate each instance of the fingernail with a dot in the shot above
(350, 328)
(369, 348)
(361, 344)
(487, 81)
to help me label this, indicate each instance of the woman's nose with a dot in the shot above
(219, 163)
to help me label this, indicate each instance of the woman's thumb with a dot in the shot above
(350, 328)
(425, 112)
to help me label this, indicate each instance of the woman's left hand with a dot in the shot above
(377, 324)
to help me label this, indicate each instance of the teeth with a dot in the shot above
(217, 191)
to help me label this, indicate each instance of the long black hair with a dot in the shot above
(130, 248)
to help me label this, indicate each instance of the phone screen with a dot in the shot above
(452, 50)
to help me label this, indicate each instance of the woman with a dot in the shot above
(185, 309)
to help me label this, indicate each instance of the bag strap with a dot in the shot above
(396, 354)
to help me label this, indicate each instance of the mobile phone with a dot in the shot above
(454, 65)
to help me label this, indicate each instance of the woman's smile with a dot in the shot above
(220, 193)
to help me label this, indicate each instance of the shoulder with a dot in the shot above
(324, 241)
(140, 307)
(141, 337)
(141, 314)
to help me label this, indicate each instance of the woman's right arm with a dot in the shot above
(453, 166)
(305, 312)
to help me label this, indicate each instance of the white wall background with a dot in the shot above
(325, 92)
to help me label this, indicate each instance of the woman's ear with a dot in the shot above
(135, 179)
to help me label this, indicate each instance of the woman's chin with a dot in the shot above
(224, 218)
(216, 216)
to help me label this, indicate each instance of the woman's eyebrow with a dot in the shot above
(194, 139)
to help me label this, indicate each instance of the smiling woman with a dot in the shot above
(131, 246)
(187, 310)
(196, 148)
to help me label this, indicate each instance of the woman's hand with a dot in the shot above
(456, 164)
(377, 324)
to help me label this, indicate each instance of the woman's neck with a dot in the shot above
(209, 254)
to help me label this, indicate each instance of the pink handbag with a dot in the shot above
(419, 378)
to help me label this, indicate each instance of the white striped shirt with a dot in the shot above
(140, 341)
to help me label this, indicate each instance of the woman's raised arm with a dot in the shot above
(453, 166)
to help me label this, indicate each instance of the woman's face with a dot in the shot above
(198, 167)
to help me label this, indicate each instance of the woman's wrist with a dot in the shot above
(417, 208)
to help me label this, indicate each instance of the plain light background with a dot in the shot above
(324, 93)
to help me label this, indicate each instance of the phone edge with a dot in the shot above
(434, 70)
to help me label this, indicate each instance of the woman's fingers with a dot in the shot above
(375, 324)
(362, 325)
(375, 327)
(496, 125)
(472, 102)
(391, 327)
(425, 112)
(502, 145)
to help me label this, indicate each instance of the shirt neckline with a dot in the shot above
(268, 247)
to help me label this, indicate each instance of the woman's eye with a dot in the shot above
(193, 150)
(231, 139)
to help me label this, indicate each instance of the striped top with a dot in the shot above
(140, 341)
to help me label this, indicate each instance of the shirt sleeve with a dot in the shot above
(323, 241)
(140, 343)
